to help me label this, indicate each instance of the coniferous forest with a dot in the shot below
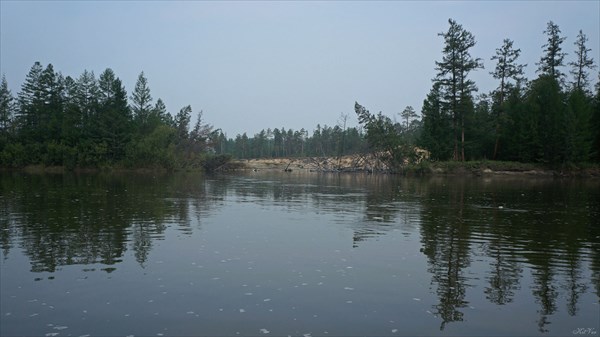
(89, 121)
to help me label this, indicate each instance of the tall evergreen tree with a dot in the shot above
(553, 56)
(53, 86)
(201, 134)
(408, 114)
(141, 103)
(582, 64)
(182, 123)
(578, 119)
(30, 101)
(72, 129)
(159, 113)
(507, 69)
(595, 123)
(437, 126)
(452, 77)
(88, 96)
(114, 120)
(6, 108)
(546, 108)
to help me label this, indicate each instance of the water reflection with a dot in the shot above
(85, 219)
(494, 241)
(510, 227)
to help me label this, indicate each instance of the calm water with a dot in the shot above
(297, 254)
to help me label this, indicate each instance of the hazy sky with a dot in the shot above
(254, 65)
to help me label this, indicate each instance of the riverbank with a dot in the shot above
(368, 164)
(358, 164)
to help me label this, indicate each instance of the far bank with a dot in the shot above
(366, 164)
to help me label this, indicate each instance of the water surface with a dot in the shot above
(297, 254)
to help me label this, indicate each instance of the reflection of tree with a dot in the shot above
(574, 284)
(69, 219)
(505, 273)
(445, 238)
(593, 200)
(554, 239)
(545, 293)
(85, 219)
(504, 276)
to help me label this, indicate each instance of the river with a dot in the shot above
(274, 253)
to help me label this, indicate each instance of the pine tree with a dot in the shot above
(407, 114)
(506, 69)
(6, 108)
(160, 113)
(201, 133)
(579, 132)
(182, 123)
(595, 123)
(381, 135)
(72, 128)
(114, 122)
(553, 58)
(53, 87)
(547, 111)
(452, 77)
(88, 96)
(437, 126)
(141, 104)
(582, 64)
(30, 102)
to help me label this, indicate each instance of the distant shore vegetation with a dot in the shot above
(92, 122)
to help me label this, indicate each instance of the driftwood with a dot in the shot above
(287, 168)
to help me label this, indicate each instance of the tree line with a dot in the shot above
(548, 120)
(325, 141)
(89, 122)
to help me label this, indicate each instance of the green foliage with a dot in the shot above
(540, 123)
(452, 78)
(553, 56)
(153, 150)
(579, 132)
(582, 64)
(436, 135)
(142, 104)
(383, 137)
(88, 123)
(6, 108)
(595, 124)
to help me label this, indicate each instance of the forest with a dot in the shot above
(89, 122)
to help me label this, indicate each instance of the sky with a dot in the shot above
(253, 65)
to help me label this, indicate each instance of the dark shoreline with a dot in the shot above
(450, 168)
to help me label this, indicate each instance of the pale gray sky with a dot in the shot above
(253, 65)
